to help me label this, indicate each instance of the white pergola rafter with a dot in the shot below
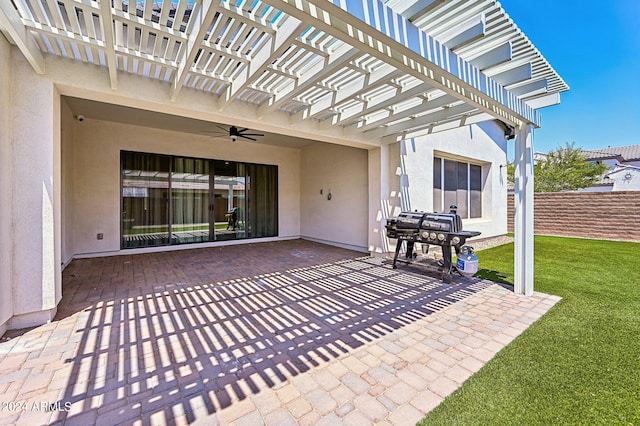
(10, 22)
(363, 84)
(465, 34)
(401, 44)
(441, 16)
(425, 105)
(452, 122)
(491, 58)
(368, 108)
(277, 45)
(248, 18)
(200, 29)
(328, 65)
(106, 23)
(421, 122)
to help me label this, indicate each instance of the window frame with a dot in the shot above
(474, 205)
(270, 169)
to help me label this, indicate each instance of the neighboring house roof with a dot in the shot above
(621, 153)
(625, 177)
(624, 168)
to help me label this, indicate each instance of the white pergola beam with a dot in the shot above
(282, 40)
(352, 116)
(530, 89)
(424, 106)
(361, 85)
(514, 75)
(493, 57)
(201, 25)
(471, 31)
(544, 101)
(377, 30)
(523, 211)
(420, 122)
(315, 73)
(12, 25)
(106, 22)
(420, 8)
(456, 122)
(248, 18)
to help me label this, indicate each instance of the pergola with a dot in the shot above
(359, 72)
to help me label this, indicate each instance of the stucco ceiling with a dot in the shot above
(139, 117)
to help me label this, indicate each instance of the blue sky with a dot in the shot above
(595, 47)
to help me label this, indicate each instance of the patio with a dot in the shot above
(290, 332)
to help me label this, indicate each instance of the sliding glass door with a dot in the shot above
(145, 200)
(230, 196)
(190, 201)
(180, 200)
(263, 200)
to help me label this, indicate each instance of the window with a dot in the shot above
(179, 200)
(457, 183)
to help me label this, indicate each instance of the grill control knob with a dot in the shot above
(441, 237)
(432, 235)
(425, 234)
(455, 240)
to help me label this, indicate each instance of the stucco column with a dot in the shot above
(378, 199)
(6, 237)
(35, 212)
(523, 210)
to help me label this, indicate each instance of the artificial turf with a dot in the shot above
(580, 363)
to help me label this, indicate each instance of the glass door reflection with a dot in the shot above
(190, 201)
(229, 200)
(145, 200)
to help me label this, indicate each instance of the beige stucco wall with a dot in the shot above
(6, 234)
(341, 171)
(95, 167)
(482, 144)
(67, 135)
(35, 273)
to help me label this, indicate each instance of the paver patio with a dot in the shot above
(290, 332)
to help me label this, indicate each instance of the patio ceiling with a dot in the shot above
(376, 71)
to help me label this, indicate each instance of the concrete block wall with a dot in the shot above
(599, 215)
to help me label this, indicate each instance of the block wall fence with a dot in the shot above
(599, 215)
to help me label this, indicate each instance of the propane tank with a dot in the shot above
(467, 263)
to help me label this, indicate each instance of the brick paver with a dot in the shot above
(289, 332)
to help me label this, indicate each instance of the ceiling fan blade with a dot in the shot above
(243, 130)
(247, 137)
(213, 134)
(222, 128)
(252, 134)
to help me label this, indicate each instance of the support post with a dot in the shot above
(523, 209)
(378, 199)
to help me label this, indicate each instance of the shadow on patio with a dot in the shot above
(170, 338)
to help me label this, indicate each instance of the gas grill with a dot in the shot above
(441, 229)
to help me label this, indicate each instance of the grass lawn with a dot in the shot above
(580, 363)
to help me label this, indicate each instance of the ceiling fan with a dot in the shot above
(234, 133)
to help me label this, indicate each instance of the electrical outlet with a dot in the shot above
(100, 236)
